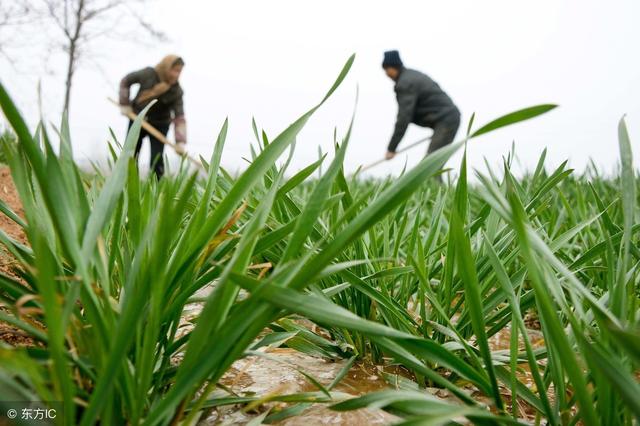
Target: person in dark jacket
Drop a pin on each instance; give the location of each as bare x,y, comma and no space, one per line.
161,83
420,101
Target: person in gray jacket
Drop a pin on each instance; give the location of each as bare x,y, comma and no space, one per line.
420,101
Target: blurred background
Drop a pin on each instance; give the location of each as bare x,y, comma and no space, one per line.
274,60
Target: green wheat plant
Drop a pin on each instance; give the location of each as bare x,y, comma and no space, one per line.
401,271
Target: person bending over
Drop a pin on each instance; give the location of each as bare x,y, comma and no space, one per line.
420,101
161,83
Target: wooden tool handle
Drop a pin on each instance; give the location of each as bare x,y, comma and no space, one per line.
157,134
407,148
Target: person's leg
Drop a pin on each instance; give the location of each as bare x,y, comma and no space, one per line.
143,133
443,134
157,149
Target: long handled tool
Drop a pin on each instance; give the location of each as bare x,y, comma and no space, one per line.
407,148
158,135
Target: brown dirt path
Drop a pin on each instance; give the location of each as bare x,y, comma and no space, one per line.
9,195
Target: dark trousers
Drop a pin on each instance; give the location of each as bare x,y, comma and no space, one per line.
156,161
444,132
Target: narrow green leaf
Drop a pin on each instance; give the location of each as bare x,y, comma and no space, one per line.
512,118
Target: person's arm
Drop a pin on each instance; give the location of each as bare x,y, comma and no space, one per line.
407,99
179,125
126,83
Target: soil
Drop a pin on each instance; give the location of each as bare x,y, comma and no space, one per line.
9,195
279,374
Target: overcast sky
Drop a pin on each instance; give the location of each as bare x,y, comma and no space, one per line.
273,60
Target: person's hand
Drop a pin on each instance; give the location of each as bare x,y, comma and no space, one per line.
180,148
389,155
126,110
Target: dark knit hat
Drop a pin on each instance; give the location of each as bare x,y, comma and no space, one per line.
392,59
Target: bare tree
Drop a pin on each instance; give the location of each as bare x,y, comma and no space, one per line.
80,23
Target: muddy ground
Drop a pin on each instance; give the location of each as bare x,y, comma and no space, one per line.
9,196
